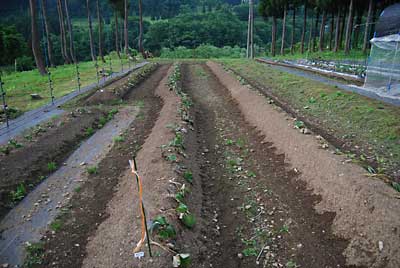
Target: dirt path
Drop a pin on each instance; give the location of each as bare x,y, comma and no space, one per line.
364,209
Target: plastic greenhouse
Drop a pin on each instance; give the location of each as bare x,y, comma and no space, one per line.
383,71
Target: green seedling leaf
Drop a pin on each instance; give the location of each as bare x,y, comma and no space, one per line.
160,220
182,208
180,196
396,186
249,252
188,176
189,220
371,170
172,158
299,124
229,142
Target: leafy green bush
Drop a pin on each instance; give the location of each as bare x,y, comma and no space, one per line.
203,52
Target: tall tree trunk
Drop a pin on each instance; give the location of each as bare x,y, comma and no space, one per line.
63,38
248,33
252,31
310,36
331,27
35,40
71,34
126,26
322,32
314,43
357,29
61,31
337,31
273,42
283,31
303,31
250,46
342,28
99,21
141,49
293,30
48,40
368,22
349,28
116,34
92,54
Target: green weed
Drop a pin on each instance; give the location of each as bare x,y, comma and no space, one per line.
119,139
188,176
92,170
34,255
89,131
51,166
19,193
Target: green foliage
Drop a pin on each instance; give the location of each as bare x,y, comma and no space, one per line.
162,228
188,176
34,254
14,144
172,157
219,28
189,220
89,131
56,225
396,186
182,208
248,252
51,166
119,139
203,52
19,193
92,170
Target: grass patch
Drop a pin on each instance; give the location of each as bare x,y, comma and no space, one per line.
20,85
92,170
19,193
370,124
34,255
89,131
51,166
56,225
119,139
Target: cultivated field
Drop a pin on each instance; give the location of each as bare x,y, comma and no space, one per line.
241,166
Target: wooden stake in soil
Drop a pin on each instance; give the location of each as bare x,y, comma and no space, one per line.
144,219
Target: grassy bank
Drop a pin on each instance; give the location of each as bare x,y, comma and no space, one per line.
20,85
368,126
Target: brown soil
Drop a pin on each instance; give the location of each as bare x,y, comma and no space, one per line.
365,208
315,125
219,119
67,247
119,89
263,194
115,238
55,141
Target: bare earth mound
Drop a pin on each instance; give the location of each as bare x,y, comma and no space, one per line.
116,237
366,209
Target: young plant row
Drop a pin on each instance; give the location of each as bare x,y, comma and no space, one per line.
22,190
173,152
